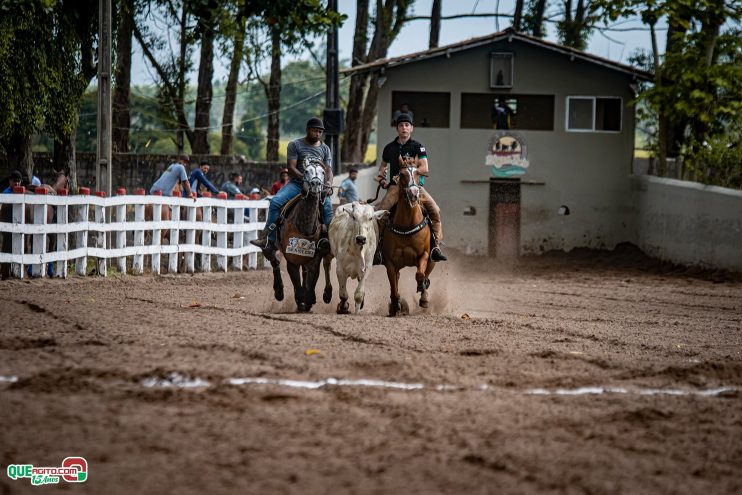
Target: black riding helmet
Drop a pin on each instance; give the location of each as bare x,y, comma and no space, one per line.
403,117
315,123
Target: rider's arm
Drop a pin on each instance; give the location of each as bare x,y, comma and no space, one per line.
293,171
381,177
422,166
206,182
292,156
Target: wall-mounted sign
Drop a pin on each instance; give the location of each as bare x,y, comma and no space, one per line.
506,154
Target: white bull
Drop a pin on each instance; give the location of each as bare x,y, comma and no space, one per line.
353,234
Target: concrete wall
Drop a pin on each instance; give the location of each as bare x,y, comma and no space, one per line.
588,172
688,223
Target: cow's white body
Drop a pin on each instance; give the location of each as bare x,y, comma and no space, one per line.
352,223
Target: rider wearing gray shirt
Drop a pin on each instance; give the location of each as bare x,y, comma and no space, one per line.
302,152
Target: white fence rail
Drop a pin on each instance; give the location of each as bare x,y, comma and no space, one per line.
115,230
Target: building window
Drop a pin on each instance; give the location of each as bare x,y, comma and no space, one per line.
501,70
594,114
428,109
507,111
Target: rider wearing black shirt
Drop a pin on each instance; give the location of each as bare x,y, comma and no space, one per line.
406,147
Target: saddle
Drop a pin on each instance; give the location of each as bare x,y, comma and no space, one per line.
298,247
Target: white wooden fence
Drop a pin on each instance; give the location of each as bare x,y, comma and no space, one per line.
85,225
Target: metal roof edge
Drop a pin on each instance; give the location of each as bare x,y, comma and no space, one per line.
491,38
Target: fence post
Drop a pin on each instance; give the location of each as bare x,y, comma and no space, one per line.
121,234
39,240
252,258
206,235
156,232
19,244
137,263
62,239
81,237
221,237
190,237
100,243
237,239
172,259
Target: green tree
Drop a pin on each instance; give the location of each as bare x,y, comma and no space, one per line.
698,79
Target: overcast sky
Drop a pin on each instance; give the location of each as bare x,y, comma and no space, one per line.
414,35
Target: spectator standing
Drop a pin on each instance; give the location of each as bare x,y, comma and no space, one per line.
501,115
198,179
348,191
403,108
174,175
282,181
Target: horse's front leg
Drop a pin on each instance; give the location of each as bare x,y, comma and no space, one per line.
422,267
311,276
277,281
294,273
327,294
393,276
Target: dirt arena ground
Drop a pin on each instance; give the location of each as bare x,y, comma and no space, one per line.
588,372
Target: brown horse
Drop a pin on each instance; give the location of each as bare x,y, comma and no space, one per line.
298,238
406,239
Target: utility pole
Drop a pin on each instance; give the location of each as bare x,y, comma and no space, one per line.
333,115
103,161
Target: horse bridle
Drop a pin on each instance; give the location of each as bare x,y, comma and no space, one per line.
313,184
412,189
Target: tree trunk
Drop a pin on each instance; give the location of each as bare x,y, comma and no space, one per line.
661,112
518,15
369,114
204,94
181,84
20,155
533,21
122,79
351,148
64,158
435,23
273,93
231,90
390,16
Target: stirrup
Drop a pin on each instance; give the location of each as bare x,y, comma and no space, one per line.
437,255
262,243
323,246
378,258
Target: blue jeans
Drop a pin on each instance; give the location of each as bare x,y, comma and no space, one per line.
286,194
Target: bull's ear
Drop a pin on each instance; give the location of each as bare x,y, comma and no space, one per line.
381,214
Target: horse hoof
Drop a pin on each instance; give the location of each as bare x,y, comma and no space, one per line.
394,308
363,301
301,308
424,304
343,308
327,295
279,294
404,308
